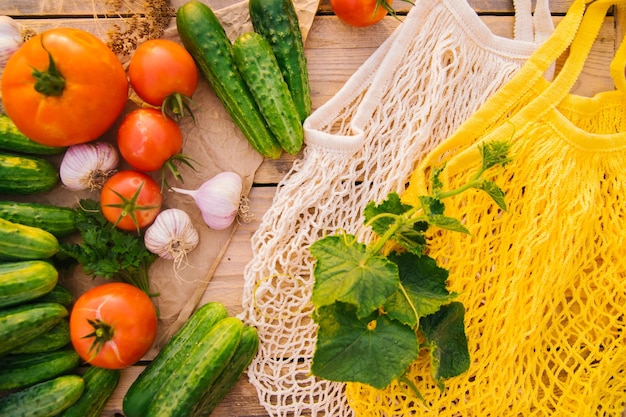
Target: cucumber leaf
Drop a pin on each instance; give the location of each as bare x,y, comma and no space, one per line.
424,282
445,336
373,350
382,216
346,272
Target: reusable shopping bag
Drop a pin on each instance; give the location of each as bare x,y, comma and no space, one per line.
433,72
544,281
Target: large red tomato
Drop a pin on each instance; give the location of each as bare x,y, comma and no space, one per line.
113,325
64,87
131,200
162,72
360,12
147,139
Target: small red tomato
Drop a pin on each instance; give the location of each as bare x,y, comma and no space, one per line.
147,139
113,325
162,72
130,200
360,12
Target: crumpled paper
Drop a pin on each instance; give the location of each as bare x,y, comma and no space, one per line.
215,144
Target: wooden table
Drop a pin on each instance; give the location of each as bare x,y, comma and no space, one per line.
334,51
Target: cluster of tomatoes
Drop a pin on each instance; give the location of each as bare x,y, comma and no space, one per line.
65,87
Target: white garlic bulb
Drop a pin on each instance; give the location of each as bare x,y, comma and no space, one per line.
88,165
10,39
172,235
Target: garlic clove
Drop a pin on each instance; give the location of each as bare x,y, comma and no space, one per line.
172,235
218,199
88,165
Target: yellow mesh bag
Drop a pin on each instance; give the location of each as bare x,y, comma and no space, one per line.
544,283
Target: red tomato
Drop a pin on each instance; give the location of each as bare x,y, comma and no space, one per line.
147,139
131,200
89,91
360,12
113,325
160,70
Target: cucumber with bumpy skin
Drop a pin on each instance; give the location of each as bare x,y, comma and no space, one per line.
23,281
26,175
278,22
259,69
19,371
204,37
99,386
46,399
53,339
22,323
246,351
59,294
181,391
19,242
170,358
60,221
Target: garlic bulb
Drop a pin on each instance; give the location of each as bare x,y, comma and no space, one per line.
172,235
10,39
88,165
218,199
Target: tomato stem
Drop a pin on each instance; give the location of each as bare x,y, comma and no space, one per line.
102,333
49,82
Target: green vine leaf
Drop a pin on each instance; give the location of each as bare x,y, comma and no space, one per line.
495,192
346,272
424,283
445,336
373,350
410,235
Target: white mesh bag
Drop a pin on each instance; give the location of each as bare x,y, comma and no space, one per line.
429,76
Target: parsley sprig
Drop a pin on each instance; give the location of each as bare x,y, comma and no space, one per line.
377,305
108,252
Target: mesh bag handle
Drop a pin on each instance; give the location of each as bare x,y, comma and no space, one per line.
577,32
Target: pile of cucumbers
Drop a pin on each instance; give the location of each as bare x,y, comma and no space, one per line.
40,372
261,78
39,368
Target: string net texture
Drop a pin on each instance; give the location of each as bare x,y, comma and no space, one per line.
432,73
544,283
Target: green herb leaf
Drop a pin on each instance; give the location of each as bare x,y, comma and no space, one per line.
108,252
448,223
494,192
346,272
445,336
372,350
432,206
424,282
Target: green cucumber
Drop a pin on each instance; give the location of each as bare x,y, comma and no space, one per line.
22,323
258,67
19,242
25,280
26,175
204,37
278,22
59,294
170,358
46,399
228,378
55,338
12,139
182,390
60,221
22,370
100,383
